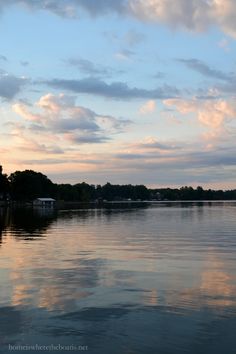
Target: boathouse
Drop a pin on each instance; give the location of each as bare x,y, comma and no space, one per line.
44,202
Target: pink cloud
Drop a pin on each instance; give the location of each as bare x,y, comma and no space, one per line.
148,107
211,113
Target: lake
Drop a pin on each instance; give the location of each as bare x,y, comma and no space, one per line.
136,280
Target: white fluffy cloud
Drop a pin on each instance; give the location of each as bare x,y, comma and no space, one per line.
193,15
213,114
55,103
190,14
224,14
60,116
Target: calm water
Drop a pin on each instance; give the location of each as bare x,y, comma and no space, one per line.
160,279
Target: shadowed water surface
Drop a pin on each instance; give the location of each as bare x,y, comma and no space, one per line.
159,279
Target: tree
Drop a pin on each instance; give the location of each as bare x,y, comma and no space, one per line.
65,192
28,185
84,192
4,185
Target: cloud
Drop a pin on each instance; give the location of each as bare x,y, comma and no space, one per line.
129,156
126,43
58,116
182,105
168,163
149,148
70,8
212,93
148,107
3,58
224,12
224,44
24,63
195,158
152,143
191,15
132,38
124,54
96,8
88,67
205,70
116,90
85,138
213,114
49,161
53,103
10,85
91,69
149,161
228,87
58,7
81,120
29,144
159,75
23,111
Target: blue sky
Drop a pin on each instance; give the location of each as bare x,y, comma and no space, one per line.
127,91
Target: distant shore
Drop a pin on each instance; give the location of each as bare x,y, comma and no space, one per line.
108,204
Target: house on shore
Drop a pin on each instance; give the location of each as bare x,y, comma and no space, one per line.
44,202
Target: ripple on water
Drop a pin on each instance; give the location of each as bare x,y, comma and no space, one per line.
154,280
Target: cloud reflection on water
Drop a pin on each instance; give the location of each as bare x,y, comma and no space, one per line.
93,271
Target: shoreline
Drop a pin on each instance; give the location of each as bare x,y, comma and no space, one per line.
59,205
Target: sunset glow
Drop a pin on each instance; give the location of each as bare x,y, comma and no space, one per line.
127,91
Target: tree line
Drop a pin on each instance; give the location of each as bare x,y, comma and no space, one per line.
28,185
190,193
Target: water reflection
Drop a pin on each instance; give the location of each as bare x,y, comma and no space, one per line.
152,280
27,223
4,221
31,222
10,324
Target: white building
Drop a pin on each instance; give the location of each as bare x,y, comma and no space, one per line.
44,202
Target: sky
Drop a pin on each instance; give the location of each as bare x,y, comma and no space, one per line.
119,91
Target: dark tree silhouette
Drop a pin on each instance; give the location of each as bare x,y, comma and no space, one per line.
28,185
4,185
